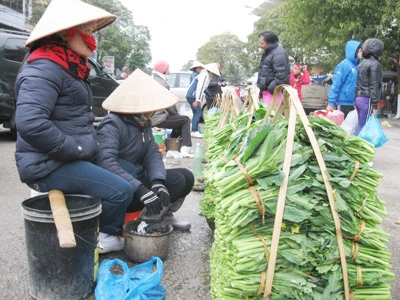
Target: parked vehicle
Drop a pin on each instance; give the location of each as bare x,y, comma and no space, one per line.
12,53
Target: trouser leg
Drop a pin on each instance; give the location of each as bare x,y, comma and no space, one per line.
82,177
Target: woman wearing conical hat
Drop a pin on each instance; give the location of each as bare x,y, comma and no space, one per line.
196,94
128,148
56,144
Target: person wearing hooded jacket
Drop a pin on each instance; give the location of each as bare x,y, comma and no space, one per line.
369,81
343,90
56,139
128,149
274,68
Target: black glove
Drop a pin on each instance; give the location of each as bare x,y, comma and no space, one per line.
152,202
161,191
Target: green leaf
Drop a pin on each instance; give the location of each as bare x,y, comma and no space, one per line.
295,215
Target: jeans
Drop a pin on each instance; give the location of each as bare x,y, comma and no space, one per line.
196,114
83,177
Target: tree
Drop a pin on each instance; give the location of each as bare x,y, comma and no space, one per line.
187,66
129,44
316,31
270,19
226,49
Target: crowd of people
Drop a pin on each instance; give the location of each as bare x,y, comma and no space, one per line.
58,147
357,80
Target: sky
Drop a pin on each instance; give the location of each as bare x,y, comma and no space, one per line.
178,28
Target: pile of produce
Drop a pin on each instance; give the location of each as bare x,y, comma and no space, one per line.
243,178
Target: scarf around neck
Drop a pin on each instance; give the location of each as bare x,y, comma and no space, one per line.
57,52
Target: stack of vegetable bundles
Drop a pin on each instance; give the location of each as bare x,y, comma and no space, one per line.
243,177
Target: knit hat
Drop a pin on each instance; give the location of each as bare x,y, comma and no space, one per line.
61,15
196,64
139,93
161,66
213,68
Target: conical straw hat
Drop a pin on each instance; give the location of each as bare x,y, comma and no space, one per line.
63,14
213,68
139,93
196,64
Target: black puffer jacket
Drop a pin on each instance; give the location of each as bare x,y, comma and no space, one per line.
120,137
370,75
54,120
274,69
213,87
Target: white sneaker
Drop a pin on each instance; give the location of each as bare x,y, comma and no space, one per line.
110,243
185,152
196,134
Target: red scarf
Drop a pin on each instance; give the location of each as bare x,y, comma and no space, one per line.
76,65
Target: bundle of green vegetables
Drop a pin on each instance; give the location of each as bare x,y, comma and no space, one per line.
241,196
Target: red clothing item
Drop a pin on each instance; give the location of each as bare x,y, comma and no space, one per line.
298,81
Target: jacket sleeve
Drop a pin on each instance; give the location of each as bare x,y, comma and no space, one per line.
202,85
305,78
37,97
108,136
280,66
152,162
337,82
375,82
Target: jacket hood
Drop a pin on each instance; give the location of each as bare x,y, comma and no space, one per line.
373,47
351,51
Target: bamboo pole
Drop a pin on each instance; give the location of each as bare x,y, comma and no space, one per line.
291,101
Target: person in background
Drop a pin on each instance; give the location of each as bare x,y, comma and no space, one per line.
169,117
196,69
369,80
274,66
196,94
214,87
56,144
128,149
298,77
343,90
125,73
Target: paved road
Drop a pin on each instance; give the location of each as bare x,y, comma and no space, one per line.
186,268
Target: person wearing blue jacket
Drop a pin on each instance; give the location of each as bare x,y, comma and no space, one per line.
342,93
56,140
196,94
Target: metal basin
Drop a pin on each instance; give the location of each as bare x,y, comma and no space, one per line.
141,248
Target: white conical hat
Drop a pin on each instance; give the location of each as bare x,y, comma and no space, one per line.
139,93
196,64
213,68
64,14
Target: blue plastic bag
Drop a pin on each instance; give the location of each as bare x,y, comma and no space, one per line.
373,133
142,282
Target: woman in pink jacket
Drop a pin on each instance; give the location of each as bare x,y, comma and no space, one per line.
298,78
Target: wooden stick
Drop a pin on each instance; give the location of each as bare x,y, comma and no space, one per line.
281,202
62,219
297,108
